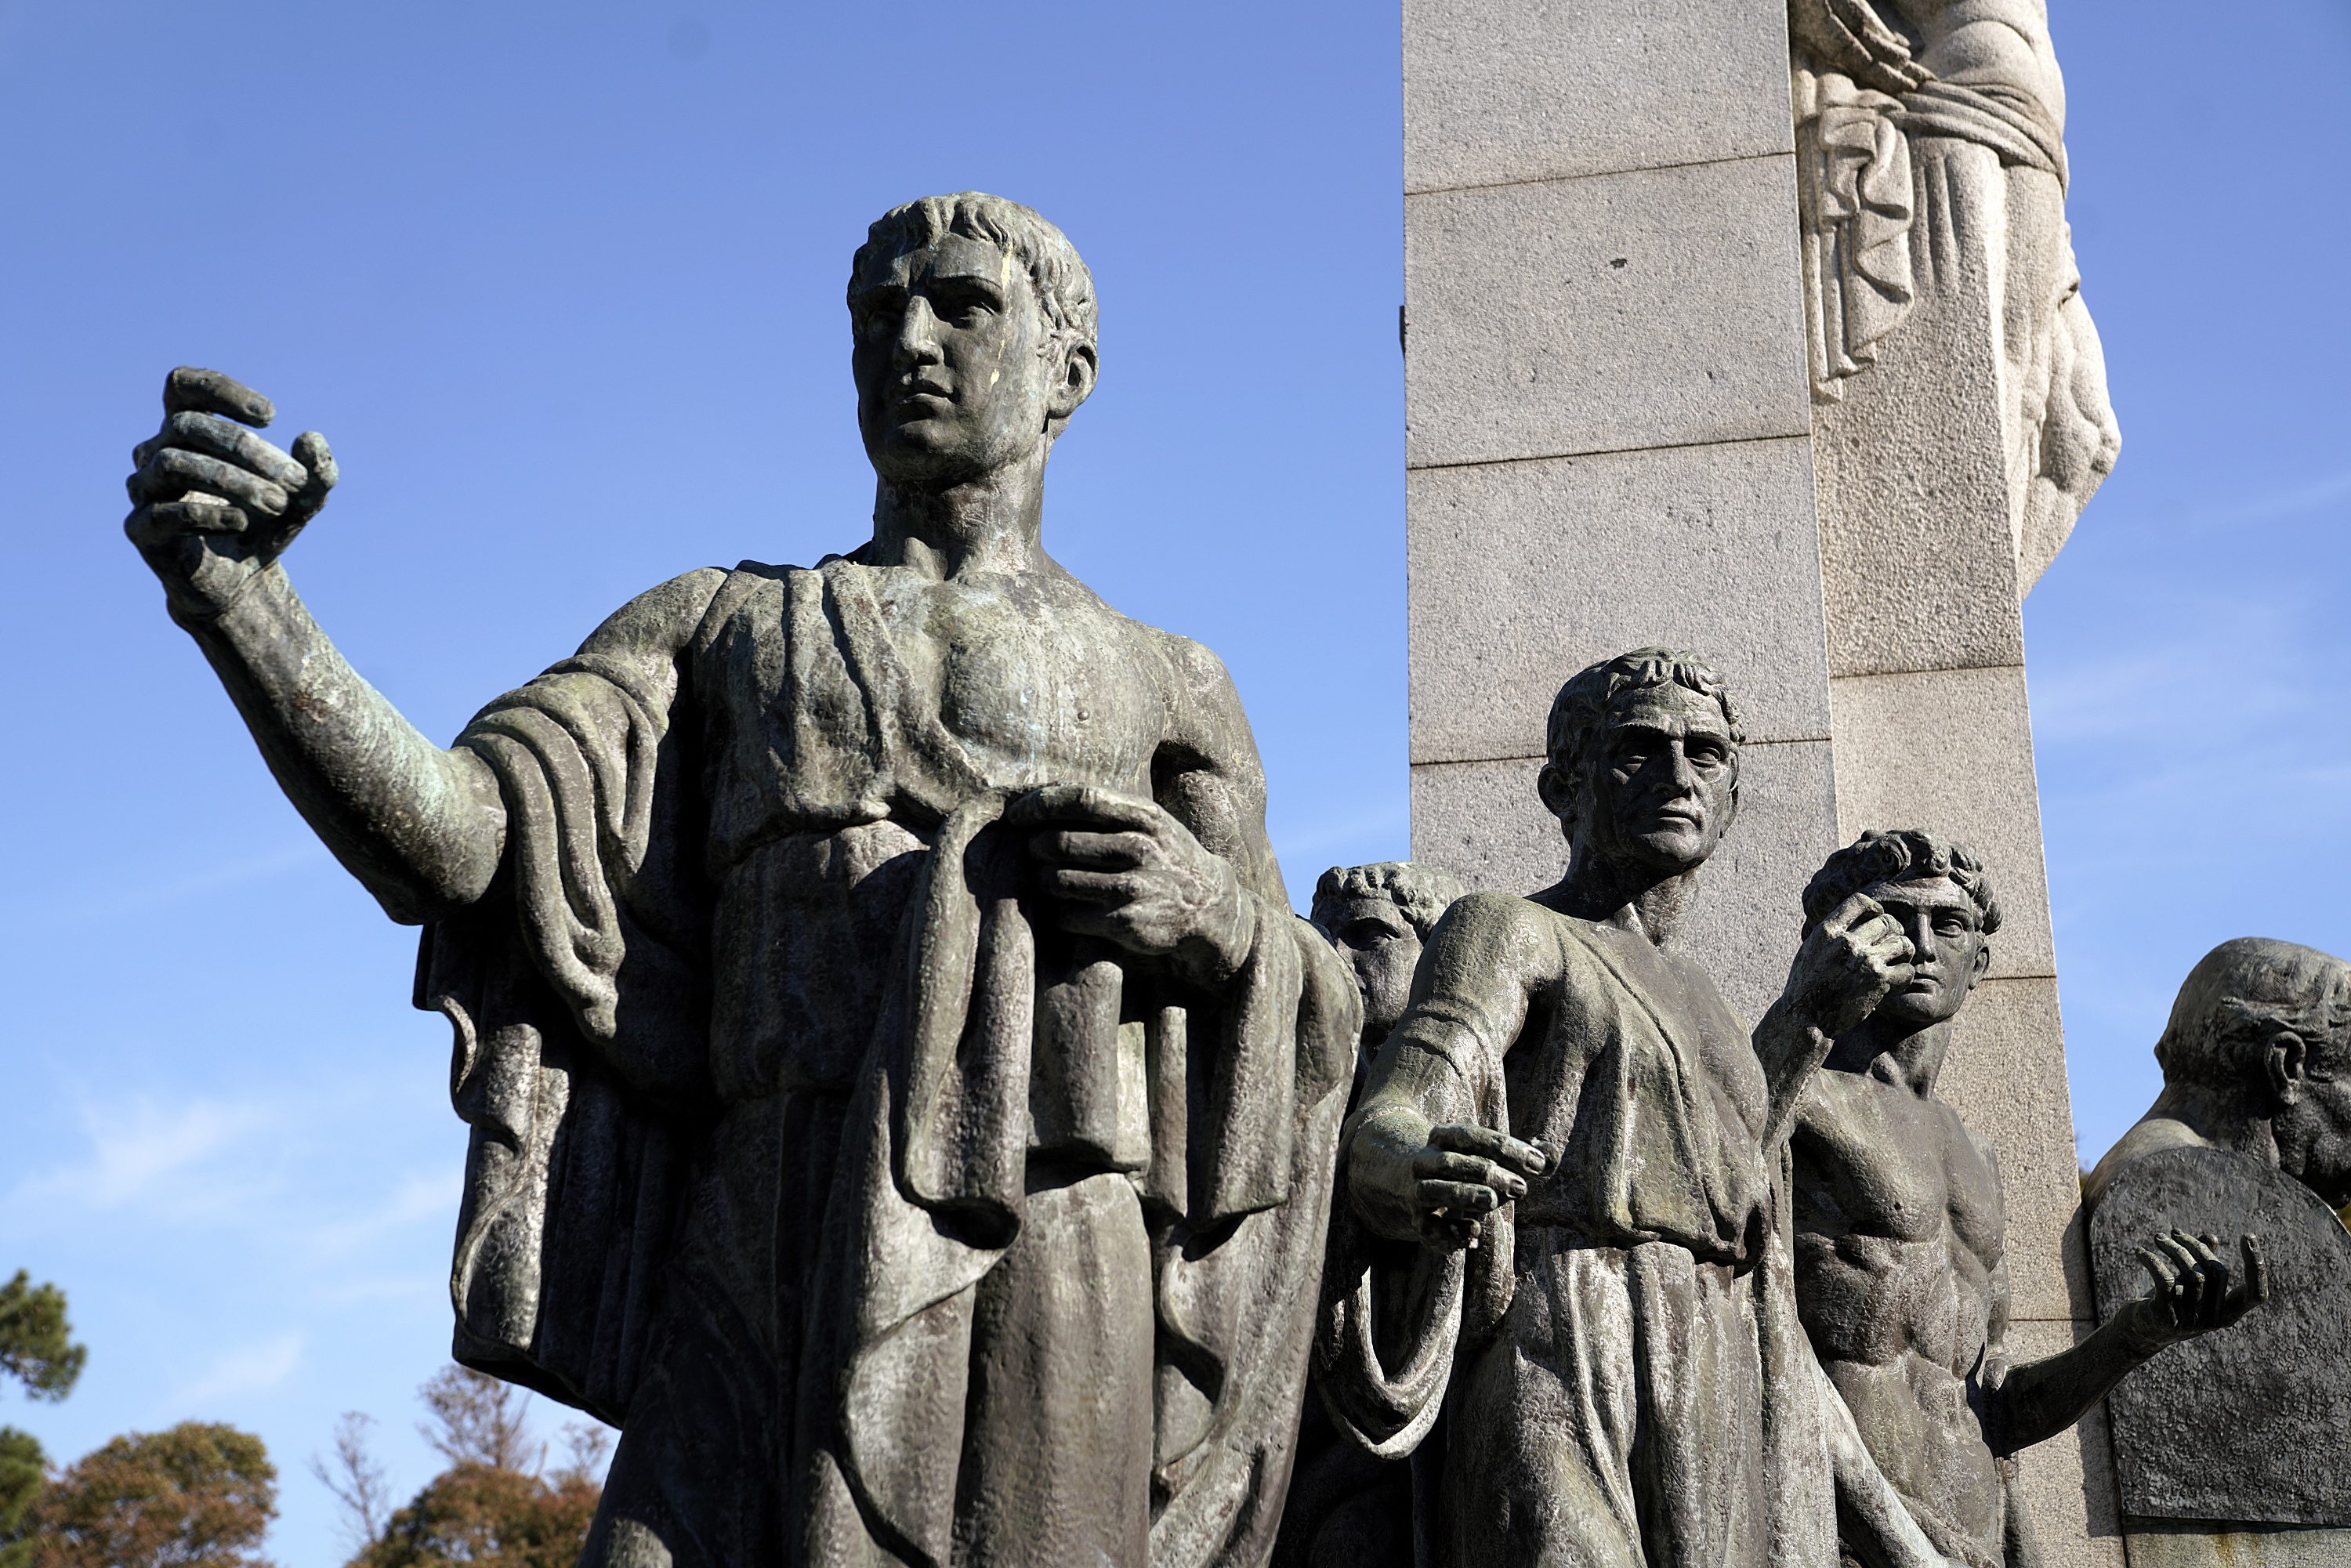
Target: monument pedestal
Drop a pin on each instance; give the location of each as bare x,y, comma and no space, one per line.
1612,441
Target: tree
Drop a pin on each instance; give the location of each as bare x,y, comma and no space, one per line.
496,1505
37,1348
477,1420
197,1496
357,1479
480,1515
36,1341
24,1468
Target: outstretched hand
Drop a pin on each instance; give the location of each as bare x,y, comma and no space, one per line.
212,503
2195,1289
1439,1187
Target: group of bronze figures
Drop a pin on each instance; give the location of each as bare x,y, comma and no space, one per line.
904,1103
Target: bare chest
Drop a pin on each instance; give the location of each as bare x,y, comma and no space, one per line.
1876,1160
1036,681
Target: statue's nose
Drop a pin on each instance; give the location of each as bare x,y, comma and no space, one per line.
918,338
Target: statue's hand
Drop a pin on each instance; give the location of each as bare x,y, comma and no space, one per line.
213,505
1435,1185
2193,1292
1847,965
1848,35
1122,868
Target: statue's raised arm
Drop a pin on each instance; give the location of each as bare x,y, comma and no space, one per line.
215,507
903,1100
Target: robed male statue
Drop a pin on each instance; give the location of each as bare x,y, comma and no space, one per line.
903,1100
1621,1374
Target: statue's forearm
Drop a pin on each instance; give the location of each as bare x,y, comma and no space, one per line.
1791,1049
419,826
2041,1399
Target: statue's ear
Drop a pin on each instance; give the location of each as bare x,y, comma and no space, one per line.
1983,963
1073,379
1558,795
2285,1059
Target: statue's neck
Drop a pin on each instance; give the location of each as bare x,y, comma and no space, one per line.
993,524
1631,897
2220,1117
1912,1059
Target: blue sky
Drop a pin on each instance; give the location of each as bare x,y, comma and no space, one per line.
562,283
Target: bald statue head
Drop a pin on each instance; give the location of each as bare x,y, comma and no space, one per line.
2256,1058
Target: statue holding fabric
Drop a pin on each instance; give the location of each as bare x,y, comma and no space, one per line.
897,1080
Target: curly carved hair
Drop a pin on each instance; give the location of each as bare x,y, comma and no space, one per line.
1065,289
1420,893
1903,855
1584,703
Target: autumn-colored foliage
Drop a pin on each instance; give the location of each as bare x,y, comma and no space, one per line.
477,1514
496,1506
197,1496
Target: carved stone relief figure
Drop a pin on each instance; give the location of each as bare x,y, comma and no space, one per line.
1901,1274
1915,119
1567,1173
2252,1129
902,1101
1348,1508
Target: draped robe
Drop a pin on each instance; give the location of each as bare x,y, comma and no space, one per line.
791,1113
1624,1379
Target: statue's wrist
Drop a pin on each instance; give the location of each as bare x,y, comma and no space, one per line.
196,611
2144,1330
1227,932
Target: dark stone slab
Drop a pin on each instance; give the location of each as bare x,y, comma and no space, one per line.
2253,1423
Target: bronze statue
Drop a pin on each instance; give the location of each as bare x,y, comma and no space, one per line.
902,1099
1568,1163
1901,1276
2252,1131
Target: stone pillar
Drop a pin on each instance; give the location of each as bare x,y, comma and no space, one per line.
1608,431
1932,728
1613,440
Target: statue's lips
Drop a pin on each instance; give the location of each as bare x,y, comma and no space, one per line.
921,401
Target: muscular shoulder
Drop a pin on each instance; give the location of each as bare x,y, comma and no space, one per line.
1204,717
1497,933
659,622
1200,681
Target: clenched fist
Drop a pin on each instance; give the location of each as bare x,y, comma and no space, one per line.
1847,965
212,503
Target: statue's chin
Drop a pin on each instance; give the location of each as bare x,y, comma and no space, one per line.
1671,851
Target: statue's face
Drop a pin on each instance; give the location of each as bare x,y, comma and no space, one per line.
2313,1129
1945,931
1660,785
956,368
1380,944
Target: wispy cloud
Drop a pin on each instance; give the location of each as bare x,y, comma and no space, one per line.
420,1196
117,903
243,1371
140,1151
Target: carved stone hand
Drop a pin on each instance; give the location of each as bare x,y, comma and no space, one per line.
2194,1292
1847,965
1435,1185
1122,868
213,504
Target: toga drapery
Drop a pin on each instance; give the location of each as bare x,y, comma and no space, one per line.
1623,1376
789,1112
